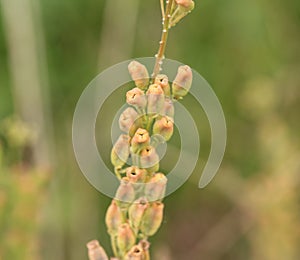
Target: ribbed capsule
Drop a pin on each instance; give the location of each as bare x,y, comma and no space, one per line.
125,193
113,218
136,212
168,108
149,159
163,81
155,189
120,151
182,82
145,245
95,251
152,219
127,119
140,140
125,238
139,74
137,98
156,98
163,126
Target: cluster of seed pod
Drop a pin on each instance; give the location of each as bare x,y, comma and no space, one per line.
136,213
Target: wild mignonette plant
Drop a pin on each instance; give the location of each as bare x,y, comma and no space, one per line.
136,212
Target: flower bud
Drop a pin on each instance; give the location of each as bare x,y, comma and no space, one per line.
127,119
136,212
152,219
149,159
164,127
182,82
139,74
156,99
186,5
95,251
125,238
140,139
125,194
168,108
134,174
163,81
135,253
136,97
113,218
156,188
120,151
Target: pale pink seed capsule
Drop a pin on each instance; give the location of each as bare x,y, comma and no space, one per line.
127,119
95,251
164,126
139,74
163,81
120,151
168,109
182,82
149,159
125,193
136,97
125,238
155,189
113,218
156,99
136,212
152,219
140,139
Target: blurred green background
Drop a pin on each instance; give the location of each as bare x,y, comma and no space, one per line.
249,51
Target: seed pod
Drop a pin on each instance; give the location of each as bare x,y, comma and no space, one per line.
136,97
125,194
156,98
145,245
95,251
135,253
139,74
149,159
163,81
113,218
182,82
163,126
185,5
120,151
136,212
155,189
140,140
127,119
125,238
168,108
152,219
135,174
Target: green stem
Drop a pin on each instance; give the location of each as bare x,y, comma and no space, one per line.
164,38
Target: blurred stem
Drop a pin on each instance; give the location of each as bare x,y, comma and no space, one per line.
164,38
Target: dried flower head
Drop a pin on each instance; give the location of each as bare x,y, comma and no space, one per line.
140,140
149,159
168,108
125,193
127,119
135,253
136,212
155,189
164,127
135,174
188,5
163,81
